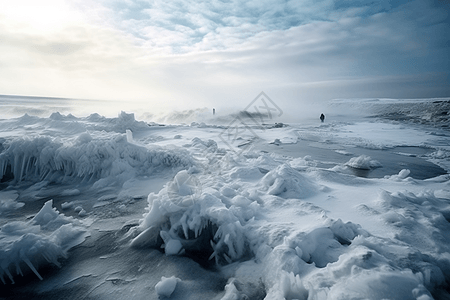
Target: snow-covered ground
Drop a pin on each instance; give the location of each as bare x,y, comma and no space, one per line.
116,208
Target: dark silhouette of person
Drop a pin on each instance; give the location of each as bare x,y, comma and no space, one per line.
322,117
214,111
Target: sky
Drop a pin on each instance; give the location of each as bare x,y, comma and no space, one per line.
185,54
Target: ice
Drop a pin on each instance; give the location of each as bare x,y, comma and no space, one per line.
402,175
175,212
42,240
105,160
166,286
286,182
363,162
231,292
204,223
8,201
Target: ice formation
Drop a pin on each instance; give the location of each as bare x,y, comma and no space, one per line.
203,226
42,240
88,159
166,286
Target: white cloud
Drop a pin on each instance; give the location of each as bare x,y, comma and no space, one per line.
190,54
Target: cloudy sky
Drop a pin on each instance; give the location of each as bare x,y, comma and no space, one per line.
187,53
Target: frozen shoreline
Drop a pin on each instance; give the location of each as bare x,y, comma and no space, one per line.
316,211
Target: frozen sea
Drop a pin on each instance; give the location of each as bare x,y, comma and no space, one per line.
104,204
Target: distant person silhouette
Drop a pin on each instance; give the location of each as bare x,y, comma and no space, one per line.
322,117
214,111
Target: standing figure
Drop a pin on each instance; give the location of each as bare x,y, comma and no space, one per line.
214,111
322,117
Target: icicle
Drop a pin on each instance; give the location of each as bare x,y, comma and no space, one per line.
2,168
214,254
18,269
214,248
51,259
227,258
15,169
198,231
23,168
44,175
36,166
28,262
185,226
26,166
5,269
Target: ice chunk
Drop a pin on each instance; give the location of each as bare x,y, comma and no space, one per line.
8,201
204,224
173,247
231,292
66,205
363,162
129,136
44,239
401,176
166,286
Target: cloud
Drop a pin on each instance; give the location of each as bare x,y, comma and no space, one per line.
194,54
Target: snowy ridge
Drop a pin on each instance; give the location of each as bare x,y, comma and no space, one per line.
44,158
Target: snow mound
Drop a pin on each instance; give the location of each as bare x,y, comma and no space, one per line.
44,158
42,240
363,162
288,183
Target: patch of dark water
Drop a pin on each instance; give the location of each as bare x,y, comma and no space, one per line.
392,160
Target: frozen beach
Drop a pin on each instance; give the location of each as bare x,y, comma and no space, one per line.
235,206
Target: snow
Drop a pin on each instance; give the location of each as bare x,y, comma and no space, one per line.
179,212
